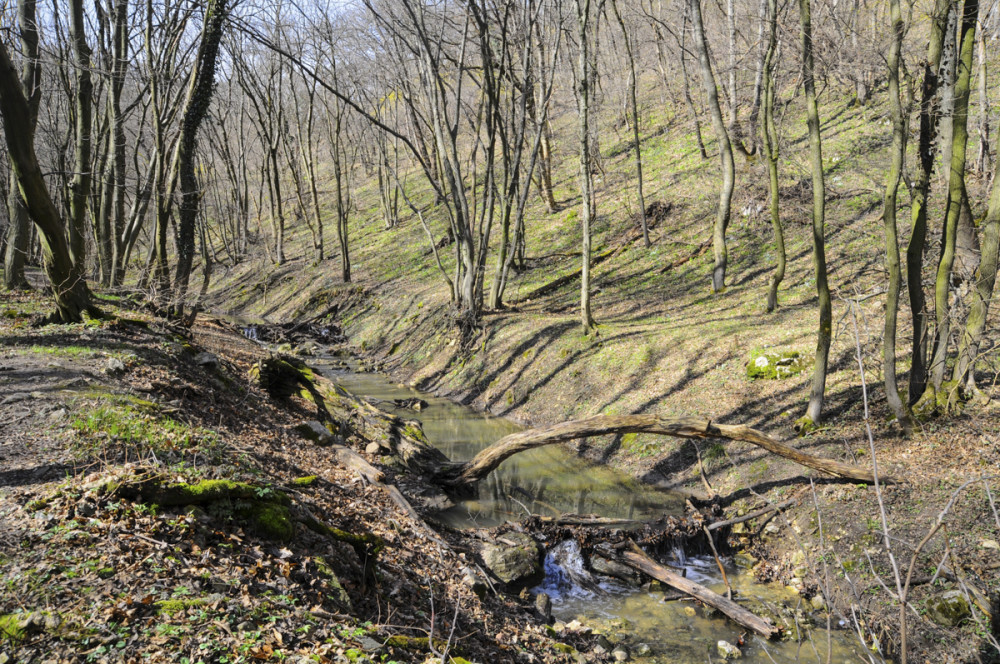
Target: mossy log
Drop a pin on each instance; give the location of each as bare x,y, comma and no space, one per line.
464,474
283,376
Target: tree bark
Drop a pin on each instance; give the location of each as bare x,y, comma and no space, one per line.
80,186
929,109
898,151
816,396
725,151
19,230
771,146
637,559
982,294
487,460
584,81
72,297
196,104
956,194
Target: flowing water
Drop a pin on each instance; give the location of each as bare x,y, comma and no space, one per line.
551,480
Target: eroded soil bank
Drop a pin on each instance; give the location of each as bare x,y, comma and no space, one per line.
156,506
829,540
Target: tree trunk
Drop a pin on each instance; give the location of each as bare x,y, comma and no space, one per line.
956,194
982,294
468,472
19,230
817,394
72,297
929,110
687,83
637,559
983,157
584,80
634,108
889,217
80,186
725,150
771,145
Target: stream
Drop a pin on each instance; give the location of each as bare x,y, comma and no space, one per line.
551,481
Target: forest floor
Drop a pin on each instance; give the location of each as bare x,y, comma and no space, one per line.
665,344
94,416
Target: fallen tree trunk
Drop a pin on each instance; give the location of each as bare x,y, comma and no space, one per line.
637,559
482,464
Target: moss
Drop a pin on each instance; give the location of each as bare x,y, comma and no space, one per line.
272,521
11,627
414,642
564,648
339,593
308,480
172,607
415,432
805,425
775,364
206,491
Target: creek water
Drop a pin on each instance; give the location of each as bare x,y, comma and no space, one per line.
552,480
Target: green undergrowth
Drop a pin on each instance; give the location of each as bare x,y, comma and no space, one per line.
136,427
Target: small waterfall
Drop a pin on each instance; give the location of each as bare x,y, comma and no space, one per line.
566,574
251,332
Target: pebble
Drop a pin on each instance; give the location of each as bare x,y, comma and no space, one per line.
728,651
620,654
114,366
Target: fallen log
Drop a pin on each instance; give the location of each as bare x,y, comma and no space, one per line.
463,474
637,559
351,460
753,515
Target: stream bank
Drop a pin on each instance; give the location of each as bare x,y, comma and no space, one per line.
827,541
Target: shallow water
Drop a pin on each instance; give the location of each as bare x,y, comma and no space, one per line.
551,480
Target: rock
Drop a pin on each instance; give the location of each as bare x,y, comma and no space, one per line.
373,448
315,431
728,651
817,602
642,650
601,565
744,560
114,366
620,654
207,360
989,544
515,559
543,604
775,364
58,415
86,509
473,580
948,609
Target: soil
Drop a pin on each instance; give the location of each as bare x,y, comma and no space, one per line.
93,573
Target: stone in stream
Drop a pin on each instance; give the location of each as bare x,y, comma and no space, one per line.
601,565
515,559
727,651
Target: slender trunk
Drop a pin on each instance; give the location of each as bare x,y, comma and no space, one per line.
634,108
725,151
889,217
771,145
80,185
199,97
983,158
816,396
69,288
982,294
19,230
687,84
956,194
918,206
586,182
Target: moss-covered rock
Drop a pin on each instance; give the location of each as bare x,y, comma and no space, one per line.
949,609
517,561
775,364
172,607
271,520
337,591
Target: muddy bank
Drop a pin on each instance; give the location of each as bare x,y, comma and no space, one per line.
827,541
